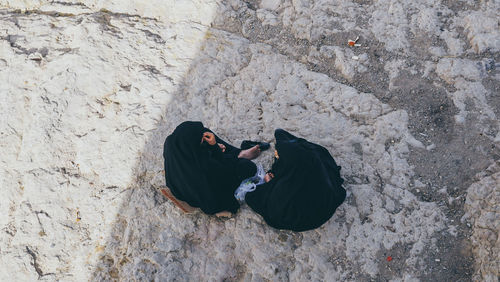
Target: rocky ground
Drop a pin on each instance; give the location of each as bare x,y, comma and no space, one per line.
90,89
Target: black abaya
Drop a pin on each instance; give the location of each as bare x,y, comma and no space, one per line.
306,188
201,174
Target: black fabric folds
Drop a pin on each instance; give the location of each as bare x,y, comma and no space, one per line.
200,174
306,188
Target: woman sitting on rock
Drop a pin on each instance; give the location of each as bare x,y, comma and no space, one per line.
203,170
303,189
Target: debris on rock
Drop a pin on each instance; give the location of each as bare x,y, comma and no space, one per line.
353,43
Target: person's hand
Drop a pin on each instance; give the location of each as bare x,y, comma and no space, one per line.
209,137
222,147
268,177
276,154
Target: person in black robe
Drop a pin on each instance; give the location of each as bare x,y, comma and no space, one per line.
303,188
203,170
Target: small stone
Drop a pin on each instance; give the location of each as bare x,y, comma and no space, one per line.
35,57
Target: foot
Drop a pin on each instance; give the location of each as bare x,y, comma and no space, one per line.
250,154
223,214
185,207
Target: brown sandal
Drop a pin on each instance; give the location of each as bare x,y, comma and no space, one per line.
185,207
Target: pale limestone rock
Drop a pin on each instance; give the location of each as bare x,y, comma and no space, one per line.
82,92
427,20
453,43
482,30
93,91
393,68
270,4
389,24
483,211
466,75
267,17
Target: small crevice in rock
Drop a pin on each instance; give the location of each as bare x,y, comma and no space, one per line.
70,4
156,37
36,264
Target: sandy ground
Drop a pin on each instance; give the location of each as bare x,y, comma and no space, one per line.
90,89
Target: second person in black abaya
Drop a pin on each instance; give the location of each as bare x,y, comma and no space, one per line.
203,170
303,189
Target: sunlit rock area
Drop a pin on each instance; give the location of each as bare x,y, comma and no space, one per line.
90,89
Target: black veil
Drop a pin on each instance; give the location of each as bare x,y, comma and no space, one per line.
306,188
200,174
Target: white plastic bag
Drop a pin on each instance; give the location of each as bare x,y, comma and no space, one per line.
249,184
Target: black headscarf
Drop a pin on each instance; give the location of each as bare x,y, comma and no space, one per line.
306,188
199,174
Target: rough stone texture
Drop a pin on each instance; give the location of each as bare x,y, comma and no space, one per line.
483,211
90,89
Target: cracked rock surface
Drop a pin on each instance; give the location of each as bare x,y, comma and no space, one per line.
90,90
